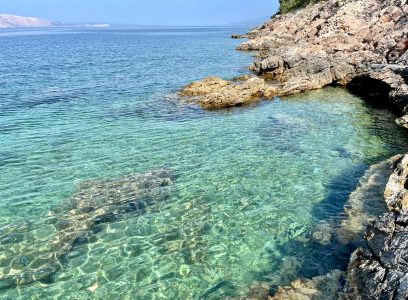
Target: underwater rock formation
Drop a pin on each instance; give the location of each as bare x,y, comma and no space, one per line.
378,268
34,251
347,233
318,288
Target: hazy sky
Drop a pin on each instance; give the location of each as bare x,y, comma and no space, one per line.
144,12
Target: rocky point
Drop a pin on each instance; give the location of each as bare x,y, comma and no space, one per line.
360,44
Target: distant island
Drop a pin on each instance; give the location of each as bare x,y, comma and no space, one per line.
11,21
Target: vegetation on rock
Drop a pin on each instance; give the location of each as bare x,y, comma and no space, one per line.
289,5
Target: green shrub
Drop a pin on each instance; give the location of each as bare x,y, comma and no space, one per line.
289,5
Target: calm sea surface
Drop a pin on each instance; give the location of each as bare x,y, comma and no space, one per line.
248,183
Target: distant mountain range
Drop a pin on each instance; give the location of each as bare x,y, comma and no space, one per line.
10,21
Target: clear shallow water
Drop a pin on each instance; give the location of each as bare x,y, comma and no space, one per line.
81,105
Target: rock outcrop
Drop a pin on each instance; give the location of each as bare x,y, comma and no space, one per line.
403,121
238,36
213,92
360,44
380,270
336,42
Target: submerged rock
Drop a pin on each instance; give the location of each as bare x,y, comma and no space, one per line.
34,251
318,288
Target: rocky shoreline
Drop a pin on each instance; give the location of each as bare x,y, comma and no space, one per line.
361,45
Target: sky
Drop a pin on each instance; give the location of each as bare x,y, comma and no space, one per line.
143,12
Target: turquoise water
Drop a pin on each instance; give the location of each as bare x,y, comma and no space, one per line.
247,184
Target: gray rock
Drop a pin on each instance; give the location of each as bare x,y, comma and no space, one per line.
381,270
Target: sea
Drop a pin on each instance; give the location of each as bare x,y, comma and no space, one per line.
248,184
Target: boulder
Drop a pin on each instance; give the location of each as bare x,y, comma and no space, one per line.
213,93
203,87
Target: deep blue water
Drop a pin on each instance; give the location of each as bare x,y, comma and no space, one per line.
80,105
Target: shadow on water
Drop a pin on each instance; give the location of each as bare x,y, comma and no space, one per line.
339,190
315,252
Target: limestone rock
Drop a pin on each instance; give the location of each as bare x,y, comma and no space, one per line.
272,64
396,192
212,93
381,270
318,288
203,87
361,44
334,42
365,203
